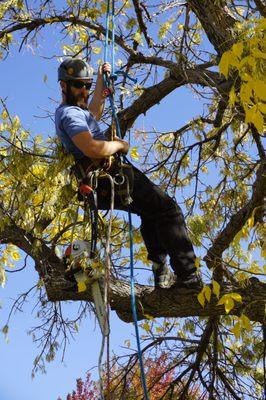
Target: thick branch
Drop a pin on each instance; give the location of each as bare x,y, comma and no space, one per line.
154,302
167,302
154,94
216,22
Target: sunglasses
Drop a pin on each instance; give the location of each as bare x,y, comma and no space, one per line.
80,85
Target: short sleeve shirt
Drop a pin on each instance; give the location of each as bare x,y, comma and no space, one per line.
71,120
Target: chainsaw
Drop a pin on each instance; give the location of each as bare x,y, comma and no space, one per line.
81,267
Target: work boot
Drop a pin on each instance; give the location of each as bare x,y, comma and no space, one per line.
192,281
163,277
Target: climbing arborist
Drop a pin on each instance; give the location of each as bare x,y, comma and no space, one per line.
162,223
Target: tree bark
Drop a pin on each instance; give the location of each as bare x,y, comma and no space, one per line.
169,303
216,22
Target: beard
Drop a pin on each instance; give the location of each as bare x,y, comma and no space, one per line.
79,101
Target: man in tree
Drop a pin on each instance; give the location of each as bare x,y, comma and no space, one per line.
162,222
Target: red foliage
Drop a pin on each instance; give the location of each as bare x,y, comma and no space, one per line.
84,390
159,376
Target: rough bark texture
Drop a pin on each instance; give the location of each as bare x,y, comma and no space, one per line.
216,22
167,302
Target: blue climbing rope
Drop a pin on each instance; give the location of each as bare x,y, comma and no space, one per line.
134,309
118,132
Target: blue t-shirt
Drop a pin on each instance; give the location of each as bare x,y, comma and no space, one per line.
71,120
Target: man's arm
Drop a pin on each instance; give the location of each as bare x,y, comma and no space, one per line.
99,148
96,105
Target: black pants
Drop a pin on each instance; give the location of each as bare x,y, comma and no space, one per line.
162,223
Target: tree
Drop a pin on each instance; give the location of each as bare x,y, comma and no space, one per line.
126,384
167,46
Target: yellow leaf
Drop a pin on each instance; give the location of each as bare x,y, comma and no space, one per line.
232,97
201,298
224,64
4,114
207,293
146,326
246,322
164,29
137,37
216,288
81,287
259,88
259,54
236,297
262,107
131,23
238,236
197,262
229,305
96,50
233,60
261,25
149,317
15,255
245,92
258,122
5,330
236,330
238,49
250,222
222,300
37,199
134,153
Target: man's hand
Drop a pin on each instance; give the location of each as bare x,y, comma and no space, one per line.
125,145
96,105
104,68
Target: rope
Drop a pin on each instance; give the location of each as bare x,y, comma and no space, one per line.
107,279
134,310
106,301
118,132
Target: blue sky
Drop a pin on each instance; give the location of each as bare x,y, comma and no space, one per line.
22,85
